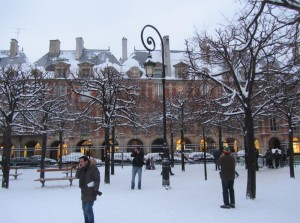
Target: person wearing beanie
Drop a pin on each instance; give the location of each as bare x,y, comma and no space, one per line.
227,175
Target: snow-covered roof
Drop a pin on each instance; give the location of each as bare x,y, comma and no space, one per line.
20,60
100,58
139,57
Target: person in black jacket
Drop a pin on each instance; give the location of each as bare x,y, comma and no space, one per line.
216,155
227,175
89,182
276,156
137,167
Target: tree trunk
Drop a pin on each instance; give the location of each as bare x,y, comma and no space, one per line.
182,149
112,159
290,147
172,149
204,142
107,158
182,141
220,140
251,180
6,156
60,150
44,147
246,148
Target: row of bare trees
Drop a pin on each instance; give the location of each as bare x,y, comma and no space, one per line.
111,102
32,105
29,106
255,61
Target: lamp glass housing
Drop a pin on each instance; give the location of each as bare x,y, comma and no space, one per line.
149,68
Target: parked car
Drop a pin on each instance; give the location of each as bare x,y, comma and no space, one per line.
177,158
47,161
240,153
73,158
198,157
23,161
187,152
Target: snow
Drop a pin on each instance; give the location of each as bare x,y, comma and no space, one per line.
191,198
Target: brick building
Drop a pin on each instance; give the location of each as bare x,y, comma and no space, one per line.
58,63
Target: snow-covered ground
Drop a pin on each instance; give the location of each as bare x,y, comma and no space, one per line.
191,199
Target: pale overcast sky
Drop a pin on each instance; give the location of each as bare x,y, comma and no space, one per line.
103,24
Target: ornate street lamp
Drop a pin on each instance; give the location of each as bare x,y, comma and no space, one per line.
149,68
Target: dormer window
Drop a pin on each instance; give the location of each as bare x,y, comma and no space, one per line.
60,72
180,70
61,69
134,72
85,70
158,70
109,71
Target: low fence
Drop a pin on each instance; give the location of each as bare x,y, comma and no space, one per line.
73,153
97,152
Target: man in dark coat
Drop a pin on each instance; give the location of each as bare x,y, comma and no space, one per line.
276,156
216,155
137,167
89,182
227,174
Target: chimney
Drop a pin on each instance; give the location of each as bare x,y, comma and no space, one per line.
124,49
79,48
14,48
167,56
54,48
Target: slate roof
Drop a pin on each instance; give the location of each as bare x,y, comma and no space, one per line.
19,60
138,58
100,58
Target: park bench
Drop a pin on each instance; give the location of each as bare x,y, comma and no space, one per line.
15,174
66,171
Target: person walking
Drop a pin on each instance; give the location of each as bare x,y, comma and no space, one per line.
137,167
227,174
89,182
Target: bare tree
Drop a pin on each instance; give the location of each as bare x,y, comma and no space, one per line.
19,89
287,15
53,115
110,103
285,98
241,58
206,111
178,111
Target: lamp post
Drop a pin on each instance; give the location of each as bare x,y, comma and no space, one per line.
149,67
